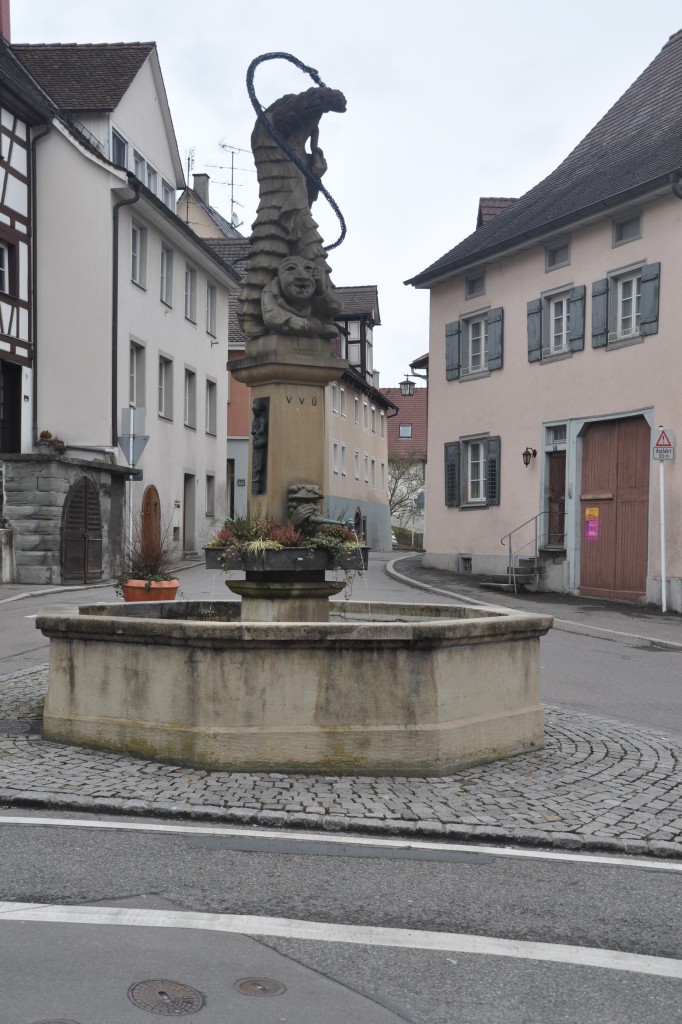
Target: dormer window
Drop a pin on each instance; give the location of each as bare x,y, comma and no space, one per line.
119,149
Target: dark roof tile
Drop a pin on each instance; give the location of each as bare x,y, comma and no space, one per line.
80,77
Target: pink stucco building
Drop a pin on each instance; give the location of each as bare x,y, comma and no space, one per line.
555,334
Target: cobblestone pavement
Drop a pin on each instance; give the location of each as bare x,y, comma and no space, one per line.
597,785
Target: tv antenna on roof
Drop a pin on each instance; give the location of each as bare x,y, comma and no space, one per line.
228,148
189,153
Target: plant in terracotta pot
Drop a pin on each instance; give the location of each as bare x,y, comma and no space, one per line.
147,573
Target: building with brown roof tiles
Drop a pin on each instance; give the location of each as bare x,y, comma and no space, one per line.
128,323
555,363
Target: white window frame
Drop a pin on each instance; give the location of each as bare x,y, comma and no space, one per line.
366,467
373,473
118,137
211,308
382,424
625,309
165,404
476,476
138,254
354,354
136,382
191,293
556,328
335,457
4,268
342,402
343,460
356,464
139,166
357,412
475,345
166,275
152,178
365,414
334,399
190,398
373,419
404,430
211,407
167,194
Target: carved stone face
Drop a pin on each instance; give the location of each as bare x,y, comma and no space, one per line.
297,278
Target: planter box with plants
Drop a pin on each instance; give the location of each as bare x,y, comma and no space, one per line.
258,545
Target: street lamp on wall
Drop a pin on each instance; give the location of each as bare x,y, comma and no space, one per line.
527,454
407,387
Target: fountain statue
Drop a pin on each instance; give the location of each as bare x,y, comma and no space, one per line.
286,680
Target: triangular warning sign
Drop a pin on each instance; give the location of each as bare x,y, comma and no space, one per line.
663,441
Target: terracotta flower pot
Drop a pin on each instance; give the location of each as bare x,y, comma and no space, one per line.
141,590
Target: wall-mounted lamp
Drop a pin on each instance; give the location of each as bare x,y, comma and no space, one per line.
407,387
527,454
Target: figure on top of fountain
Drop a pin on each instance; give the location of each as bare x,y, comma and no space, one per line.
284,226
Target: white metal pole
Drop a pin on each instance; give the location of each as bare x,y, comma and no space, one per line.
661,498
130,485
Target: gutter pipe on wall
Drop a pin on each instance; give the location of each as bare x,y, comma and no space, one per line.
135,185
34,277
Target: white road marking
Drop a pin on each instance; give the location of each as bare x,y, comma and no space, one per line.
652,864
320,931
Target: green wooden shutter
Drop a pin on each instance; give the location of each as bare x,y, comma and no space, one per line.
453,333
648,320
600,313
576,328
493,469
534,321
495,338
452,473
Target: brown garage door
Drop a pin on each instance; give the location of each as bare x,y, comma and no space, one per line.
614,503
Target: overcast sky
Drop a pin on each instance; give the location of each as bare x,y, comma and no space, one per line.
447,101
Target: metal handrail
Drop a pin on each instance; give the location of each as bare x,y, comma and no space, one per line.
507,539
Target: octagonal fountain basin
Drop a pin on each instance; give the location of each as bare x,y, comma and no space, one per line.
379,689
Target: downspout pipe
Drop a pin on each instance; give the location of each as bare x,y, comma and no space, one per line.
135,185
676,184
34,276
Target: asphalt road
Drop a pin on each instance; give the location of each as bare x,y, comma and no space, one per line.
354,930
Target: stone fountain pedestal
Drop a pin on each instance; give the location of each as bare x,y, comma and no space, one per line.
287,376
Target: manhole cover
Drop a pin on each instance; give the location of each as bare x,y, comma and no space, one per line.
167,998
259,987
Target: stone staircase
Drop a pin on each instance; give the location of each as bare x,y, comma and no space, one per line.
517,578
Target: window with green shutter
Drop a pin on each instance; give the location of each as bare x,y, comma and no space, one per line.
472,472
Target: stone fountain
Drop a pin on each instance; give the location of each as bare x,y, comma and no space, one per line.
286,680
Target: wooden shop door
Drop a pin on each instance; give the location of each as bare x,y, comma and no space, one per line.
614,503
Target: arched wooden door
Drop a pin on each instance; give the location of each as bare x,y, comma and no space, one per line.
614,503
82,534
151,519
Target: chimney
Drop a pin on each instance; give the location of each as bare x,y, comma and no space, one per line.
200,180
4,21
